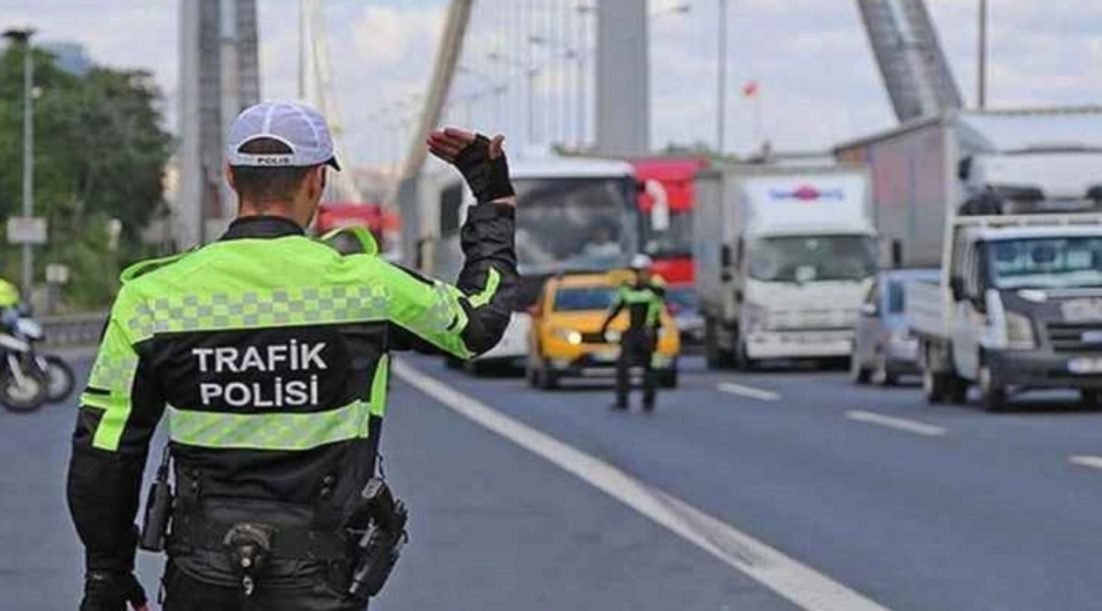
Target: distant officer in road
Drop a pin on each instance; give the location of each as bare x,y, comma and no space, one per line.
644,299
269,351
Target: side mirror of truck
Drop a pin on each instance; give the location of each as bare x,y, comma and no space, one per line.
956,287
964,168
897,254
726,275
725,256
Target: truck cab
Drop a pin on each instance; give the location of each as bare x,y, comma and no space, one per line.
785,256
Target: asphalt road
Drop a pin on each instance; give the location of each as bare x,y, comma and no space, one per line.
913,507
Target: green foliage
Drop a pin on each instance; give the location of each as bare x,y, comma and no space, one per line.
100,153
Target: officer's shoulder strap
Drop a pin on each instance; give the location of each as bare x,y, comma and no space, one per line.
352,240
142,268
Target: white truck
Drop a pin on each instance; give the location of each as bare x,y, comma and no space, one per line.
1019,301
573,214
784,256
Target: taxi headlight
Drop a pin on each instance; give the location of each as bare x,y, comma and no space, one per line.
569,336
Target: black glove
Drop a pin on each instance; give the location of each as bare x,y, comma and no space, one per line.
111,590
488,178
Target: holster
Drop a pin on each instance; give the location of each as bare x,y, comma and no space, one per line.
380,520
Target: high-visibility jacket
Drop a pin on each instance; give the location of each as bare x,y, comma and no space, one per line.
9,294
644,302
267,352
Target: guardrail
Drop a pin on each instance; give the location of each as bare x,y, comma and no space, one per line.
74,330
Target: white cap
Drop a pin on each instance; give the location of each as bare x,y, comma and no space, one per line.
300,126
641,261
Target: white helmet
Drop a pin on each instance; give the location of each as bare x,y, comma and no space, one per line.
641,262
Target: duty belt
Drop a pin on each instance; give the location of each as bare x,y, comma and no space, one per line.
287,542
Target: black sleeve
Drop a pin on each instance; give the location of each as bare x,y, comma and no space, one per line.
118,414
614,311
470,317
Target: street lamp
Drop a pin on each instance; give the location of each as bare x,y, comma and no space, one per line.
22,37
721,80
578,56
531,72
496,89
981,72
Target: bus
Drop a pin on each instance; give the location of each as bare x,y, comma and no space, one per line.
574,214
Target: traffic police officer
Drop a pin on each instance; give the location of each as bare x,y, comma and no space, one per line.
644,299
268,353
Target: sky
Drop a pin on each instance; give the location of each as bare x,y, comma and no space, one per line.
818,81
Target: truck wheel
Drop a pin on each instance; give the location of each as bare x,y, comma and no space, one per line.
743,362
713,354
1090,397
857,373
881,375
958,390
934,386
992,393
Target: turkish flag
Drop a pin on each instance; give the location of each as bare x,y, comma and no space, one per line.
750,89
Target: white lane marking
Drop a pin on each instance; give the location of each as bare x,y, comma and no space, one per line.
800,584
902,424
747,391
1085,460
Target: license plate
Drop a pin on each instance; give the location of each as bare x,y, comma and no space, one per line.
1082,366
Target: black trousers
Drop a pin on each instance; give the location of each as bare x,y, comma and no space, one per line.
636,350
183,592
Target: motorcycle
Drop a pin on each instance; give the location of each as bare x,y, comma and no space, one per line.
24,385
27,370
58,372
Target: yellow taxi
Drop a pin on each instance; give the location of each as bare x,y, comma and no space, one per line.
565,338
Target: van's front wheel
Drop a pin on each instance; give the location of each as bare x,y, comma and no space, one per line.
992,392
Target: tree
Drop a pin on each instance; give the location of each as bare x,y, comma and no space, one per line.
100,153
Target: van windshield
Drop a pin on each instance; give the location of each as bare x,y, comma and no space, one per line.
1046,262
812,258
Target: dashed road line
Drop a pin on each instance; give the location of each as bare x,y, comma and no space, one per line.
747,391
901,424
800,584
1086,460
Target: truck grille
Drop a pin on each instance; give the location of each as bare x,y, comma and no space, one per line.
1075,337
795,320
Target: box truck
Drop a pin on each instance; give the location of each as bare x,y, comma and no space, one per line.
784,256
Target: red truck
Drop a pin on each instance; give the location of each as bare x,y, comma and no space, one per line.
666,201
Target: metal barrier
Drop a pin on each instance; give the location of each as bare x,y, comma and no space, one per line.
75,330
